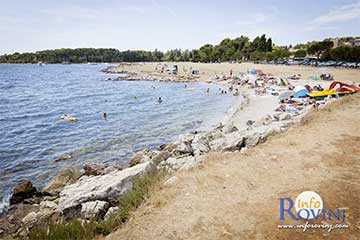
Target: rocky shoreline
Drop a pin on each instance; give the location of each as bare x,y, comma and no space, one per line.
142,76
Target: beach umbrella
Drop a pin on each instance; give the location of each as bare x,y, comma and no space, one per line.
301,93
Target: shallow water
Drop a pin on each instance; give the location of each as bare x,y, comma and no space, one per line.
32,137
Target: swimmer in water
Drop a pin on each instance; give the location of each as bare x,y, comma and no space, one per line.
160,100
105,115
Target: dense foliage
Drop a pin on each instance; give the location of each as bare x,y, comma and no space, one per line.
237,49
82,55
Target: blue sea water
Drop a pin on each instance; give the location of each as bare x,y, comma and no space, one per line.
32,137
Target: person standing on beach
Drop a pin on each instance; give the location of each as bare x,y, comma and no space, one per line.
230,72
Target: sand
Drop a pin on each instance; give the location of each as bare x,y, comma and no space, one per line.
236,195
208,70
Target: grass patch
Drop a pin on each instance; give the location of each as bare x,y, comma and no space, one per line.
81,229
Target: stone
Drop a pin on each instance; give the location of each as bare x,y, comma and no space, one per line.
36,218
111,212
252,140
161,156
22,191
229,128
48,204
182,163
108,187
230,143
184,148
95,209
141,157
94,169
30,219
282,116
267,120
201,144
65,177
168,147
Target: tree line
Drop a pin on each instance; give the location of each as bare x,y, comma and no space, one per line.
237,49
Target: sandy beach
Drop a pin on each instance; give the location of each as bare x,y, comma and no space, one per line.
207,71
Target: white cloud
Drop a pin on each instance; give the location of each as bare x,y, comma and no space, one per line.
343,13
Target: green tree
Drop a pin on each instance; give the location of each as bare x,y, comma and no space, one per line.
319,48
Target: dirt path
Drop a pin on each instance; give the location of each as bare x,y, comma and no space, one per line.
236,196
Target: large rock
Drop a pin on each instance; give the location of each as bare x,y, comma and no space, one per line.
94,169
229,128
111,212
229,143
22,191
106,187
95,209
168,147
65,177
37,218
184,148
201,145
161,156
182,163
141,157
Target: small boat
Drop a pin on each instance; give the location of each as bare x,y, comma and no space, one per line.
65,63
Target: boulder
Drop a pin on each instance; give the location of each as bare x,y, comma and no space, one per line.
282,116
111,212
94,169
230,143
184,148
229,128
201,145
65,177
168,147
108,187
48,204
161,156
267,120
95,209
37,218
22,191
141,157
182,163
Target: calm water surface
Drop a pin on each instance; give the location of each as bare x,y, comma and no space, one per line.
32,137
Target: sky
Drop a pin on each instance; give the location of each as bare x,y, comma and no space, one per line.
27,26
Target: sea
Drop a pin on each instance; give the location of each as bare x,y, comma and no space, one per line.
35,143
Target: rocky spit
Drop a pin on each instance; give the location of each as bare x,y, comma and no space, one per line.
94,191
141,76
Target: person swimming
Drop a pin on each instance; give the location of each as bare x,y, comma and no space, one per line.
105,115
160,100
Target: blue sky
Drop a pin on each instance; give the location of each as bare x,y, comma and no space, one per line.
139,24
